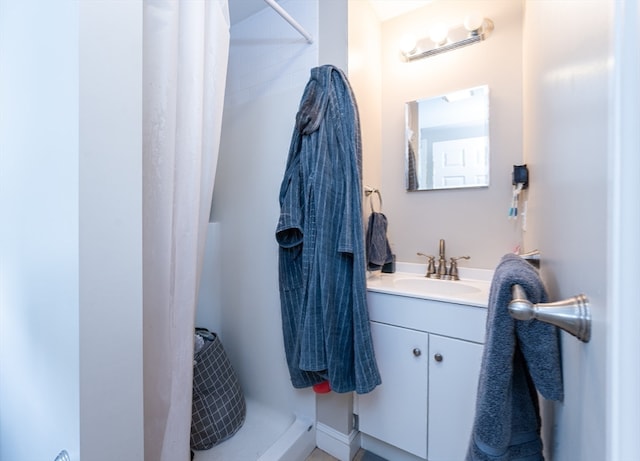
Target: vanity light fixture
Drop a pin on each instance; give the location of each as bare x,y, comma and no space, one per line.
474,29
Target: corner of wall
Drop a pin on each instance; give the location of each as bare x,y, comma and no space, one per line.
364,55
333,31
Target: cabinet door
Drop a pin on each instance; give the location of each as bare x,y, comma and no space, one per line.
396,411
454,367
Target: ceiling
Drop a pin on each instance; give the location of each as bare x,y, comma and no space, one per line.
242,9
385,9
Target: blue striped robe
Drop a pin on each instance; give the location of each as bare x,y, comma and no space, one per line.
325,319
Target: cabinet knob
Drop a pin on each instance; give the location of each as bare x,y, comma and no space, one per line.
417,352
438,357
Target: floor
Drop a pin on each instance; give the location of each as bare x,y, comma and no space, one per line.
319,455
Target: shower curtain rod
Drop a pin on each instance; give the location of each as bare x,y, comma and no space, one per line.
290,20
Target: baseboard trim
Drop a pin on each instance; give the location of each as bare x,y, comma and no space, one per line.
339,445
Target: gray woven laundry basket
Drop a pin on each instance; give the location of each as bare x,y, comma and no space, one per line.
219,407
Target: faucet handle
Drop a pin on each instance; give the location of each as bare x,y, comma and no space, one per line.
431,266
453,268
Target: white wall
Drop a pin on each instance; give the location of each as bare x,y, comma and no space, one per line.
70,191
110,211
365,76
568,74
472,221
39,301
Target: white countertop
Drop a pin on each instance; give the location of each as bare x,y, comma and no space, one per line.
409,280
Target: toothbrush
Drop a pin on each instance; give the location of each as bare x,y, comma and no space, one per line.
513,211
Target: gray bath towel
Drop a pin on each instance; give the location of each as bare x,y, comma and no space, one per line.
519,358
377,245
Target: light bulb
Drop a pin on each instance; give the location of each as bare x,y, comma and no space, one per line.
407,44
473,22
438,34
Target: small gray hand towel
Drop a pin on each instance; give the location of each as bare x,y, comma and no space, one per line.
519,358
377,246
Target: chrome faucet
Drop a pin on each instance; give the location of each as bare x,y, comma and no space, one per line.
453,267
431,267
442,272
442,262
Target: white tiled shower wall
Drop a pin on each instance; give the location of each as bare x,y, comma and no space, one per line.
268,56
269,65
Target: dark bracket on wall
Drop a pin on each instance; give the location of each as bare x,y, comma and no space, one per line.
520,176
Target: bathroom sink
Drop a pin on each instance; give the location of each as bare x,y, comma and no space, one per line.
466,291
446,287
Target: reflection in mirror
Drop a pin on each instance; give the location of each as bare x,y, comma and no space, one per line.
448,140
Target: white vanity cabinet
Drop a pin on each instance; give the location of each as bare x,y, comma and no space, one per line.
429,355
454,366
396,411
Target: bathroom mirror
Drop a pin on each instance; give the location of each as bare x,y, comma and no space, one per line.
447,140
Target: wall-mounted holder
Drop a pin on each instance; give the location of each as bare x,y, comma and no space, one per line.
520,176
441,39
572,315
368,192
532,257
520,181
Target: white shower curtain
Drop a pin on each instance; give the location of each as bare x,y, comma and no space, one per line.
186,46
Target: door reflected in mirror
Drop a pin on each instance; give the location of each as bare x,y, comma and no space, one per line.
447,140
